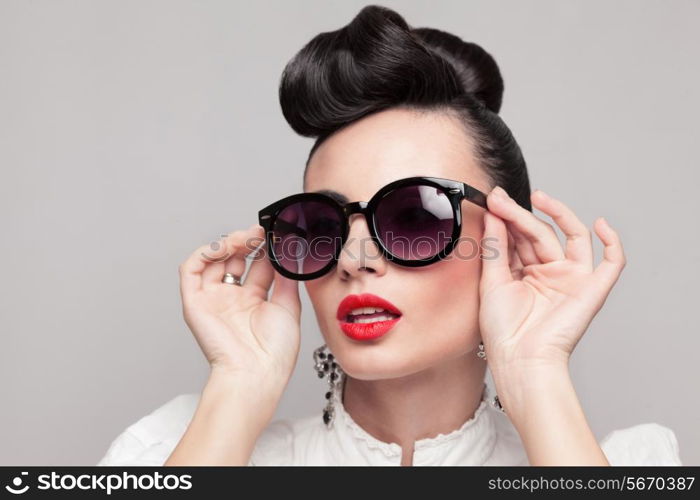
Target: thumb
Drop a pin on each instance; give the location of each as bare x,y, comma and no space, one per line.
285,293
495,268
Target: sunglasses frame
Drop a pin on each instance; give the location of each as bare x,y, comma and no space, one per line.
456,191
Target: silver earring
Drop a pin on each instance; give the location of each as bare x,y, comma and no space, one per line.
326,365
495,402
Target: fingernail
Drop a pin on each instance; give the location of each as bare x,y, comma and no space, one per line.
500,192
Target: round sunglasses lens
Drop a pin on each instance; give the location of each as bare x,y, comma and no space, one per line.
306,235
415,222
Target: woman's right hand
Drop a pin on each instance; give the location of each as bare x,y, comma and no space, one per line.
239,330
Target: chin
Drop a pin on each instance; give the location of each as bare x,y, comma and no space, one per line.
376,361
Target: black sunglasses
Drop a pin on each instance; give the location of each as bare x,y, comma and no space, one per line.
414,222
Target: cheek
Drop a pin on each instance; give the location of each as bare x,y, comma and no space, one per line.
442,321
444,303
454,288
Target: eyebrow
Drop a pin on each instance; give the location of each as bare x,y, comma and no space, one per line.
339,197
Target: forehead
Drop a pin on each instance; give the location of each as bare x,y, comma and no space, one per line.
389,145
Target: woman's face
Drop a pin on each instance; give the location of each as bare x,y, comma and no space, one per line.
439,302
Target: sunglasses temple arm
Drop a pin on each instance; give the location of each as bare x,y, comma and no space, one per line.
475,196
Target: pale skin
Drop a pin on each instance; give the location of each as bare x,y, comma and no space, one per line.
530,306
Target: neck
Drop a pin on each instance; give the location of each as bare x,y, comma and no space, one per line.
417,406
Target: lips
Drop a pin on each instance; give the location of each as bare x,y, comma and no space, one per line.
364,300
365,331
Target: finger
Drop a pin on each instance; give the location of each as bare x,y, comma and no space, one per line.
544,240
516,265
285,292
579,245
192,268
614,260
523,250
235,249
261,272
495,268
233,263
523,245
249,243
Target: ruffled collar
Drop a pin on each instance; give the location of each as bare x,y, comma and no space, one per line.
474,440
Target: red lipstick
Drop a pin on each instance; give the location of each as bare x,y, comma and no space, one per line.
364,330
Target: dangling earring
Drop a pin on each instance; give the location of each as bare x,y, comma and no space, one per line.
325,364
481,353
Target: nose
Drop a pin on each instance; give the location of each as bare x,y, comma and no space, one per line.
360,254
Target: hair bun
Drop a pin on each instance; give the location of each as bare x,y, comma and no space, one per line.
477,69
378,61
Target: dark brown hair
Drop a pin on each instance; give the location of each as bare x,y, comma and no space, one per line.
377,62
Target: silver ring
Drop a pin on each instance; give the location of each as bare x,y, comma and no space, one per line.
231,279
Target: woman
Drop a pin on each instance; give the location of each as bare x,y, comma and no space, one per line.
406,118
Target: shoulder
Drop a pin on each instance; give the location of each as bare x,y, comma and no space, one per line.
508,448
151,439
290,441
642,444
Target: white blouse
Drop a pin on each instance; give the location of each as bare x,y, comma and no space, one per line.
488,438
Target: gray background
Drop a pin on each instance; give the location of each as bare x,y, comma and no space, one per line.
132,132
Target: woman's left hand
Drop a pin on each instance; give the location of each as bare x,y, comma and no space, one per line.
537,298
